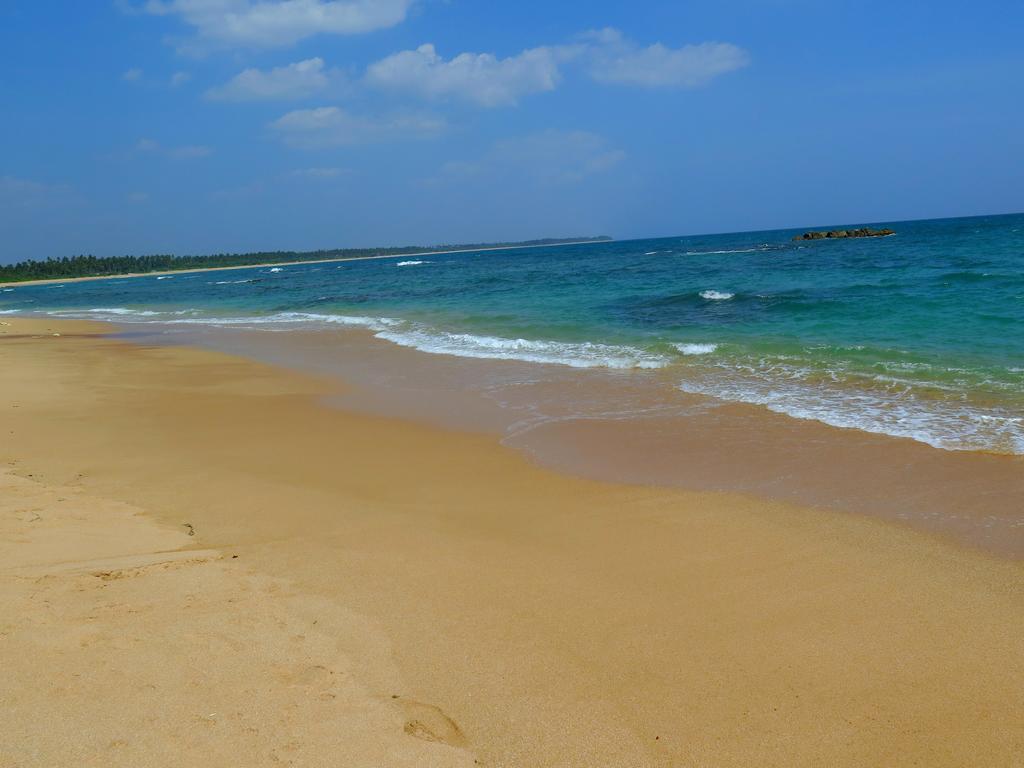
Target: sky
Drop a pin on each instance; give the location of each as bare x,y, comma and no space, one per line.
199,126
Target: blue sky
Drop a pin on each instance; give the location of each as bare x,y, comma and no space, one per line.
194,126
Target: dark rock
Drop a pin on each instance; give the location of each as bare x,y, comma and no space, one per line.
839,234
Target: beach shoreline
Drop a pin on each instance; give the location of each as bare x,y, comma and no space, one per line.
270,265
853,335
638,428
519,616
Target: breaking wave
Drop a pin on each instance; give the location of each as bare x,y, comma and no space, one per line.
716,295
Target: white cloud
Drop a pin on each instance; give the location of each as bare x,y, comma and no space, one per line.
11,185
25,192
294,81
132,75
238,193
274,23
188,151
549,157
180,78
331,127
486,80
614,59
183,152
319,173
603,36
481,78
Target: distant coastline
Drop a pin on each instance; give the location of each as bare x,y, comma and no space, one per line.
9,274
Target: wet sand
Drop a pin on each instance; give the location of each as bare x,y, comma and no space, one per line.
521,617
635,426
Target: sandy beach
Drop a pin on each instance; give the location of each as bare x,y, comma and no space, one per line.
204,563
282,264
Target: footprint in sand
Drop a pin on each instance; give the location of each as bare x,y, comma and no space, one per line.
427,722
308,676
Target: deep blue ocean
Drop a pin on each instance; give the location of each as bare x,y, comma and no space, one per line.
919,334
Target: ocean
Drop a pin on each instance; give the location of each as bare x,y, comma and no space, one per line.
918,335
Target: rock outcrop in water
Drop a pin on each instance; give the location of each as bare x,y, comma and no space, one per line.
841,233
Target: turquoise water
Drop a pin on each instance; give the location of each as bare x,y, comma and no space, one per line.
919,335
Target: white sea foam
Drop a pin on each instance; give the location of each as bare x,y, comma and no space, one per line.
374,323
651,253
123,311
165,277
898,411
696,349
716,295
407,334
276,269
576,355
8,290
281,320
735,250
234,282
426,339
412,263
247,320
120,314
104,311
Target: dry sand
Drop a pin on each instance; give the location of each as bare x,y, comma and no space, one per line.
520,617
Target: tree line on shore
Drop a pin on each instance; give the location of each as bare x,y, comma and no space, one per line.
101,266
